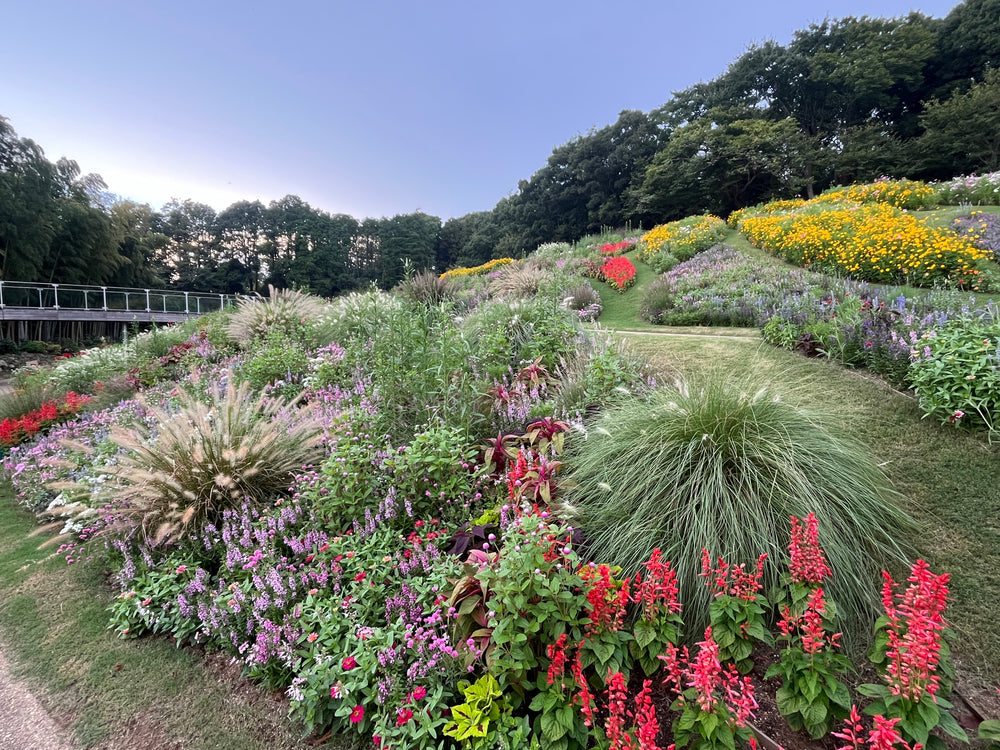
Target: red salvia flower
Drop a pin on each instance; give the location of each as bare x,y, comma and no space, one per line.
557,654
808,562
914,630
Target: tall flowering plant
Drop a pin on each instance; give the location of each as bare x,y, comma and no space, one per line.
811,696
659,623
912,655
737,610
630,729
715,701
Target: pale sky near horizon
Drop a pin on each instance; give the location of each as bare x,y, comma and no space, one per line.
364,108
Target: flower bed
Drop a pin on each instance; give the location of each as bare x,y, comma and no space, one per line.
17,430
618,272
975,190
668,244
490,265
873,242
420,584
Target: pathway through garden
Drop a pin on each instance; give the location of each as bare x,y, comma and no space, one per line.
24,724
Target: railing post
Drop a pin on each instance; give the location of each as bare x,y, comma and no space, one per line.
147,301
55,296
127,308
222,302
164,303
104,298
85,305
198,300
187,308
1,296
40,304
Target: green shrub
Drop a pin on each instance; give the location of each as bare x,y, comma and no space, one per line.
956,374
200,459
722,467
276,364
508,335
657,301
101,365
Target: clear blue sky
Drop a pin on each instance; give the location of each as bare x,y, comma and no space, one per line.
364,107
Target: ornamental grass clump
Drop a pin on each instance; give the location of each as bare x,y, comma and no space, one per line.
722,466
287,309
203,456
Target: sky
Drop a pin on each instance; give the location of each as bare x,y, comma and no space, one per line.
370,107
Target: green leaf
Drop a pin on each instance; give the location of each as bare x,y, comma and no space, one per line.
709,722
874,691
950,726
644,633
788,701
814,713
552,729
990,730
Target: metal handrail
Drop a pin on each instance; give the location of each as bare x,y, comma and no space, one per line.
22,294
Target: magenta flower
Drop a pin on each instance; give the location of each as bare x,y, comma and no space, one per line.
348,663
357,714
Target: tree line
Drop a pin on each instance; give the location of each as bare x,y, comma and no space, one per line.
846,100
59,226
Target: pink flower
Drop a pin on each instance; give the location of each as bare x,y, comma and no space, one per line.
311,637
336,691
357,714
418,693
403,716
181,569
348,663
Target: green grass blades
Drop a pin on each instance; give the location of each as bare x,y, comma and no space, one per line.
721,465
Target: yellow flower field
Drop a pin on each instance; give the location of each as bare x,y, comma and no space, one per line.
872,242
477,270
682,238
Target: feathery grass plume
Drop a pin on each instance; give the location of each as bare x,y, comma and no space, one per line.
427,288
288,309
203,458
520,280
722,466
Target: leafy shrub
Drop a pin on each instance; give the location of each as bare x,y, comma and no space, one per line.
92,367
505,335
600,370
201,458
722,467
276,365
956,373
287,309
